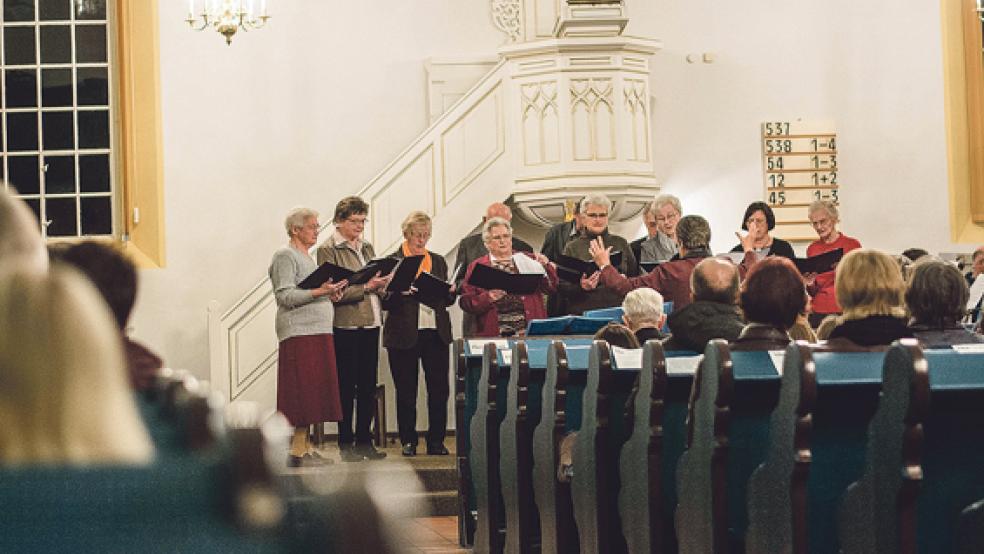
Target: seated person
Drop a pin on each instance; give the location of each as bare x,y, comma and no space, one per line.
772,298
65,398
870,291
115,277
497,313
589,294
915,254
660,217
713,314
642,312
758,221
936,298
671,279
618,335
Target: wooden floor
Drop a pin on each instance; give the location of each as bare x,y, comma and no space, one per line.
433,535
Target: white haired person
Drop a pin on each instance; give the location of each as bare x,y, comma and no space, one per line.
643,313
21,244
64,394
501,314
307,380
824,218
660,217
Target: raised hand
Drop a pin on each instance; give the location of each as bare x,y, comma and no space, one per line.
600,254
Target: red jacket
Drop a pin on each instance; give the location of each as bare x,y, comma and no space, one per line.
824,295
479,302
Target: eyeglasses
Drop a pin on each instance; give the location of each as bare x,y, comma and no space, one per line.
357,220
421,236
500,237
313,226
820,223
596,215
666,219
755,220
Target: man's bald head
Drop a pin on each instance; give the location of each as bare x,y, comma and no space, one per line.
498,210
715,280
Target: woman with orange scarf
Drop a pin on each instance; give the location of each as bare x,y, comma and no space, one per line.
414,331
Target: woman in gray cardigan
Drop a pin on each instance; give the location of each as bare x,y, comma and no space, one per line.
307,381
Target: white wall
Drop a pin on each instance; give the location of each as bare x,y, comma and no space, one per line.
276,120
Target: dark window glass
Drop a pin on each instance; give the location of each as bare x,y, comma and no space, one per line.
97,216
56,88
35,206
22,131
94,173
18,10
56,44
90,43
22,88
94,129
18,45
93,86
22,172
90,9
55,10
61,214
59,174
57,130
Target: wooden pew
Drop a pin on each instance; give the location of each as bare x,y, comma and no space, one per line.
728,435
484,456
817,442
924,458
516,457
641,459
558,532
466,494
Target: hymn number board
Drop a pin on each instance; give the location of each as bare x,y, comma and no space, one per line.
800,164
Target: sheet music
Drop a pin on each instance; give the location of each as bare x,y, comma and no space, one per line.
778,357
683,365
976,292
977,348
506,356
627,358
477,346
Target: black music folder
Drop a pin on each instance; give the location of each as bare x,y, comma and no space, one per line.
321,275
382,266
490,278
821,263
432,291
570,269
406,271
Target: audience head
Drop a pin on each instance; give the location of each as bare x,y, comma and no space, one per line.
773,293
617,334
667,211
21,244
350,216
867,283
693,233
113,274
497,235
824,218
759,210
595,209
937,294
643,307
498,209
978,259
914,253
302,226
64,394
714,280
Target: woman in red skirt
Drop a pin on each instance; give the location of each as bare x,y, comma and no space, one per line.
307,381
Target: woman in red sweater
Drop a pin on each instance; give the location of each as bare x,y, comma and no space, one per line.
824,219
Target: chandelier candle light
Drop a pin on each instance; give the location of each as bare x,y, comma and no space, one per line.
227,16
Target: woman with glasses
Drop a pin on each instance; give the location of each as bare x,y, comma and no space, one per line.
358,317
660,217
307,380
500,314
758,221
824,219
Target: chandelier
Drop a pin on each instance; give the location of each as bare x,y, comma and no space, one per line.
227,16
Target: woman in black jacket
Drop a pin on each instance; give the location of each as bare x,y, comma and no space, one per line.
758,221
416,331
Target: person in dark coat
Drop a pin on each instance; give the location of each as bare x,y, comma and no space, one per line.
870,290
713,314
937,298
416,334
642,311
772,297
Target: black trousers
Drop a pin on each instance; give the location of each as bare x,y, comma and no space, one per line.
357,357
433,353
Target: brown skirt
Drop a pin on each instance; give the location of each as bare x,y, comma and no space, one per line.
307,381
